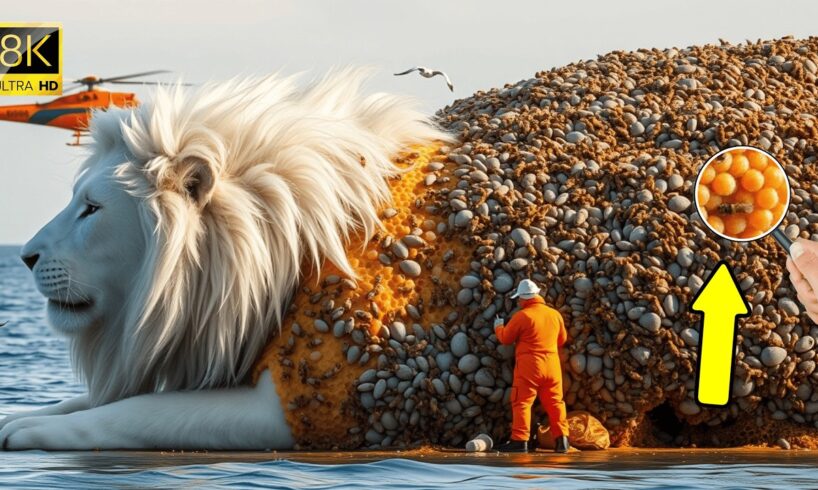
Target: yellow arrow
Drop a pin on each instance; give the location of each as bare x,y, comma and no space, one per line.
720,302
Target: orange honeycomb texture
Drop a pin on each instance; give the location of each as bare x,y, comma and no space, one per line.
315,382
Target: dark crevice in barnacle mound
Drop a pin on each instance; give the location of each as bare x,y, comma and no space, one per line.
665,424
599,157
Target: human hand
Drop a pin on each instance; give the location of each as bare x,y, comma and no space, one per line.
803,267
497,321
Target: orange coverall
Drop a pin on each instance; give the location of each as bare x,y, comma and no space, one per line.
539,331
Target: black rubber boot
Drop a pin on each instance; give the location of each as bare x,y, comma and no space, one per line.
562,445
533,441
513,447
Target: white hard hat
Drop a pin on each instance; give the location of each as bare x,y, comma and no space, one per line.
527,288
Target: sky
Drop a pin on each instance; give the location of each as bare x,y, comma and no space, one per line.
480,44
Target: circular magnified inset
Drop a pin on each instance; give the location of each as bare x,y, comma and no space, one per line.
742,193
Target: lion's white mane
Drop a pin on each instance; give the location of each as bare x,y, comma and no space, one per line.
240,184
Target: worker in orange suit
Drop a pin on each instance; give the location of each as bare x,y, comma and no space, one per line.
539,332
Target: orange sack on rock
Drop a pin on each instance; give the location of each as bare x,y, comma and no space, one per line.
584,431
539,331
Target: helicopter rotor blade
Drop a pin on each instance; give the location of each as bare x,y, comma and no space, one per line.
151,83
73,88
91,81
133,75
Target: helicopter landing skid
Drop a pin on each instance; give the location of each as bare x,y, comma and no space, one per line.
77,141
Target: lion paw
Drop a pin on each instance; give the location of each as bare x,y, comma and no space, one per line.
51,432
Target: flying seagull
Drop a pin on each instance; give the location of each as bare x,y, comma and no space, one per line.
3,324
427,73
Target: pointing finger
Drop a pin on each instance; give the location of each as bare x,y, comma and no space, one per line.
805,255
795,273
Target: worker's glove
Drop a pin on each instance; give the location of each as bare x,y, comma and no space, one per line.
497,321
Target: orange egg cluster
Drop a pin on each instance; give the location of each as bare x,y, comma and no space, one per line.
742,193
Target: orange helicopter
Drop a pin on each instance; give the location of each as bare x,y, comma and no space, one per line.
73,111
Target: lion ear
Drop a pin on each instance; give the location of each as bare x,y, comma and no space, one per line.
199,180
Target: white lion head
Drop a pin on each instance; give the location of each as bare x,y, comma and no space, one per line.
193,216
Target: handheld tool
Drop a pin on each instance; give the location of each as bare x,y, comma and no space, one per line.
782,239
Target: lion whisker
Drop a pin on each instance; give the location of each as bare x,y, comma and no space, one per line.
82,295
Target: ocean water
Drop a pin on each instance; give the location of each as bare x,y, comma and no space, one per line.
35,371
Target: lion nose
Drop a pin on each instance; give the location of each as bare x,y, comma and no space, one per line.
31,260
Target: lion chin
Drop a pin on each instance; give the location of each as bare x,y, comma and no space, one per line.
70,316
172,266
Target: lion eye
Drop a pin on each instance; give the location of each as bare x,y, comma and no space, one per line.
89,210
